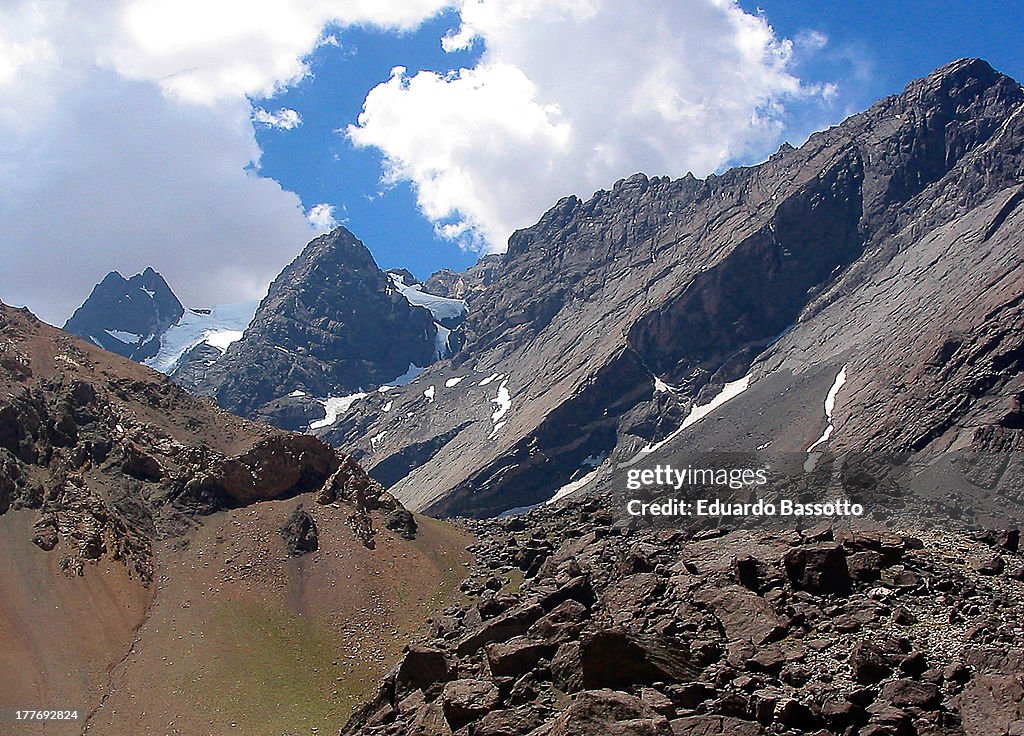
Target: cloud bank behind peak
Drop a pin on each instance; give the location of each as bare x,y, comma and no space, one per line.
570,95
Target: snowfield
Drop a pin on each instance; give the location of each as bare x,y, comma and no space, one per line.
570,488
830,407
729,391
128,338
335,406
223,325
441,307
406,378
504,402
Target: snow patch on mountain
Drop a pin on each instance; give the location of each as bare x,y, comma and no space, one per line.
223,338
830,407
572,487
593,462
128,338
441,345
441,307
504,402
729,391
408,377
335,406
218,326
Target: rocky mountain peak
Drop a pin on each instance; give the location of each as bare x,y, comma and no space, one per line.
127,316
466,285
332,324
335,254
959,74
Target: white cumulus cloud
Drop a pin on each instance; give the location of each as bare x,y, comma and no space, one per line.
126,141
207,50
283,119
321,217
570,95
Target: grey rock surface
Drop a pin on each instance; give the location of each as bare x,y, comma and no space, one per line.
332,324
888,245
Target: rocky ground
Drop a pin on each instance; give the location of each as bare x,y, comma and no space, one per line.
579,623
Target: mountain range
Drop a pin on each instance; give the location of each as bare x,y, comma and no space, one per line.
143,528
845,317
884,251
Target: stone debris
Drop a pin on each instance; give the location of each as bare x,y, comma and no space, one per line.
580,624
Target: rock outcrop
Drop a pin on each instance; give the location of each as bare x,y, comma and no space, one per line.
114,457
332,324
468,284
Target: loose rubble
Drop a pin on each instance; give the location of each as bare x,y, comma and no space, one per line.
577,623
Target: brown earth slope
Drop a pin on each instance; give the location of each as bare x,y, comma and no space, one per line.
143,578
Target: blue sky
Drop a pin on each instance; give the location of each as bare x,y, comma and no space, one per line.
130,129
321,165
875,48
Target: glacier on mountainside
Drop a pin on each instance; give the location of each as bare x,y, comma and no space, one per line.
217,326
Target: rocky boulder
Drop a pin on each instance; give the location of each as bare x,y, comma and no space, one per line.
464,701
300,533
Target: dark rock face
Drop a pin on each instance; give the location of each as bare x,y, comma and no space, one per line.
127,316
331,324
600,712
300,533
467,285
402,522
619,659
667,643
517,656
191,370
821,568
609,320
466,700
871,663
421,668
